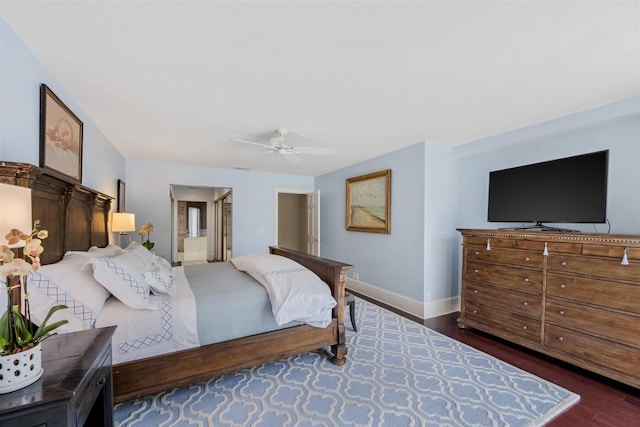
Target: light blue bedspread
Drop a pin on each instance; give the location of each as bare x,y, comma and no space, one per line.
229,303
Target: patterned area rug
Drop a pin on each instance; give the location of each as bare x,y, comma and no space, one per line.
398,373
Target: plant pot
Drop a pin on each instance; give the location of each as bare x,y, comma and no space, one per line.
21,369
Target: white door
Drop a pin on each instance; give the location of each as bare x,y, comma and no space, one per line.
313,223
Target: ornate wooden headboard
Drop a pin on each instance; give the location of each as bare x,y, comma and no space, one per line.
76,216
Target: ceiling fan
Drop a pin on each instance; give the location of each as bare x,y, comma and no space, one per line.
290,152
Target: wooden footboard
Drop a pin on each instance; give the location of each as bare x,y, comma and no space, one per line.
155,374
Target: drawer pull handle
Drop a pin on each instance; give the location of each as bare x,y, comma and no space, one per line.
475,270
625,260
475,311
563,263
475,291
526,279
477,253
560,339
526,258
525,327
562,286
561,312
525,304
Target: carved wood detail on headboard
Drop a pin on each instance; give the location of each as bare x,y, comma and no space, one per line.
76,216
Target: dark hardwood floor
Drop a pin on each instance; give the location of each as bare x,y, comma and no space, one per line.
603,402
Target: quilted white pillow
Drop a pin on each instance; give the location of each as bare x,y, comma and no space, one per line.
295,292
66,283
123,276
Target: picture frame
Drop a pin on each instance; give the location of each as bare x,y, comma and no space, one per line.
60,137
368,203
121,196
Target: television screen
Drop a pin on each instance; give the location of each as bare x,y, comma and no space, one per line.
568,190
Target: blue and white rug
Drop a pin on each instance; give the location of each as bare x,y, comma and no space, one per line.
398,373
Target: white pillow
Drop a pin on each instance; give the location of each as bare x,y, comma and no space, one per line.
140,251
295,292
161,277
108,250
66,283
160,282
123,276
160,262
95,251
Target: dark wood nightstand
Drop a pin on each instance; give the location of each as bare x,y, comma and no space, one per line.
76,387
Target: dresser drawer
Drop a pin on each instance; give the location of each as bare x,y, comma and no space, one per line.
598,267
608,354
558,247
616,252
615,326
507,256
493,242
499,320
503,275
616,295
506,299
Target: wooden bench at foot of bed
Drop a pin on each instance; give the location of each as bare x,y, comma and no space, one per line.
165,372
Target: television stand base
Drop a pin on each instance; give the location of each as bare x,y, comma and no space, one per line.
541,227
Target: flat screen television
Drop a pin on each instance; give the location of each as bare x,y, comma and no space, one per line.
567,190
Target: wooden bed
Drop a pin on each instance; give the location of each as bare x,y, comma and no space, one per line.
77,218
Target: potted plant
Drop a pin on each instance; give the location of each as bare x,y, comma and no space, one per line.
146,229
20,351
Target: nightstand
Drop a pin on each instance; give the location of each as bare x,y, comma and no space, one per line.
76,387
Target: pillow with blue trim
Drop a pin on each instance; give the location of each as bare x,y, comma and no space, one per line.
66,283
123,276
160,281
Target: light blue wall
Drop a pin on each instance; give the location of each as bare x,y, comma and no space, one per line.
254,195
615,127
393,262
441,175
21,74
436,189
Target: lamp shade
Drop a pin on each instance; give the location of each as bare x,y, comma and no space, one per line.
15,211
123,222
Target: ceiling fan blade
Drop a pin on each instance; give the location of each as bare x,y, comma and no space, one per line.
292,158
254,143
318,151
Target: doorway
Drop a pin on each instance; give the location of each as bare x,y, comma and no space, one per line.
297,224
195,234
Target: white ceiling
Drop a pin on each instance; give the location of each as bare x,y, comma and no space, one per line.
175,81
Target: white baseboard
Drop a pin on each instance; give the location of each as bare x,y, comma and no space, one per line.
421,309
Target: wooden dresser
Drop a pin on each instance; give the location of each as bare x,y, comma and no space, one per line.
573,296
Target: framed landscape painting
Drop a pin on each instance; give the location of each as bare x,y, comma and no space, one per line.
369,203
60,137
